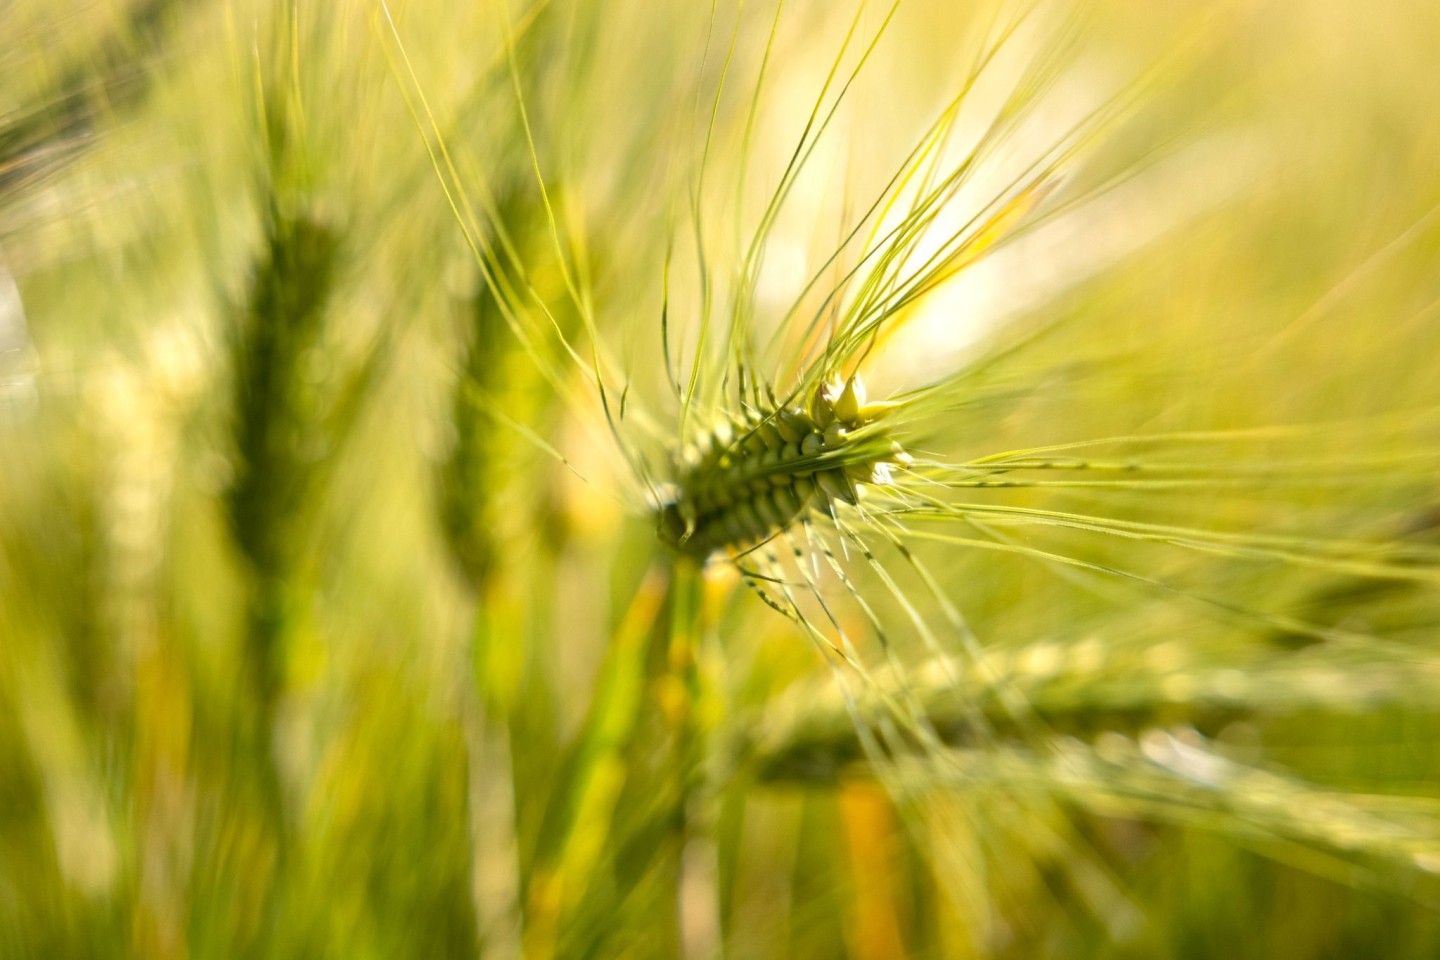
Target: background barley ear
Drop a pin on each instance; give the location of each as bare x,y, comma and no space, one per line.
280,446
69,102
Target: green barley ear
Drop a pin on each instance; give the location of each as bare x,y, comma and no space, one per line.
766,469
279,445
276,411
468,474
499,393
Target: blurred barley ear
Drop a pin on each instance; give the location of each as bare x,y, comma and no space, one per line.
277,430
291,413
83,94
503,536
494,371
467,485
469,472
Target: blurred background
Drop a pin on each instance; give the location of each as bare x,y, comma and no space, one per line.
332,622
